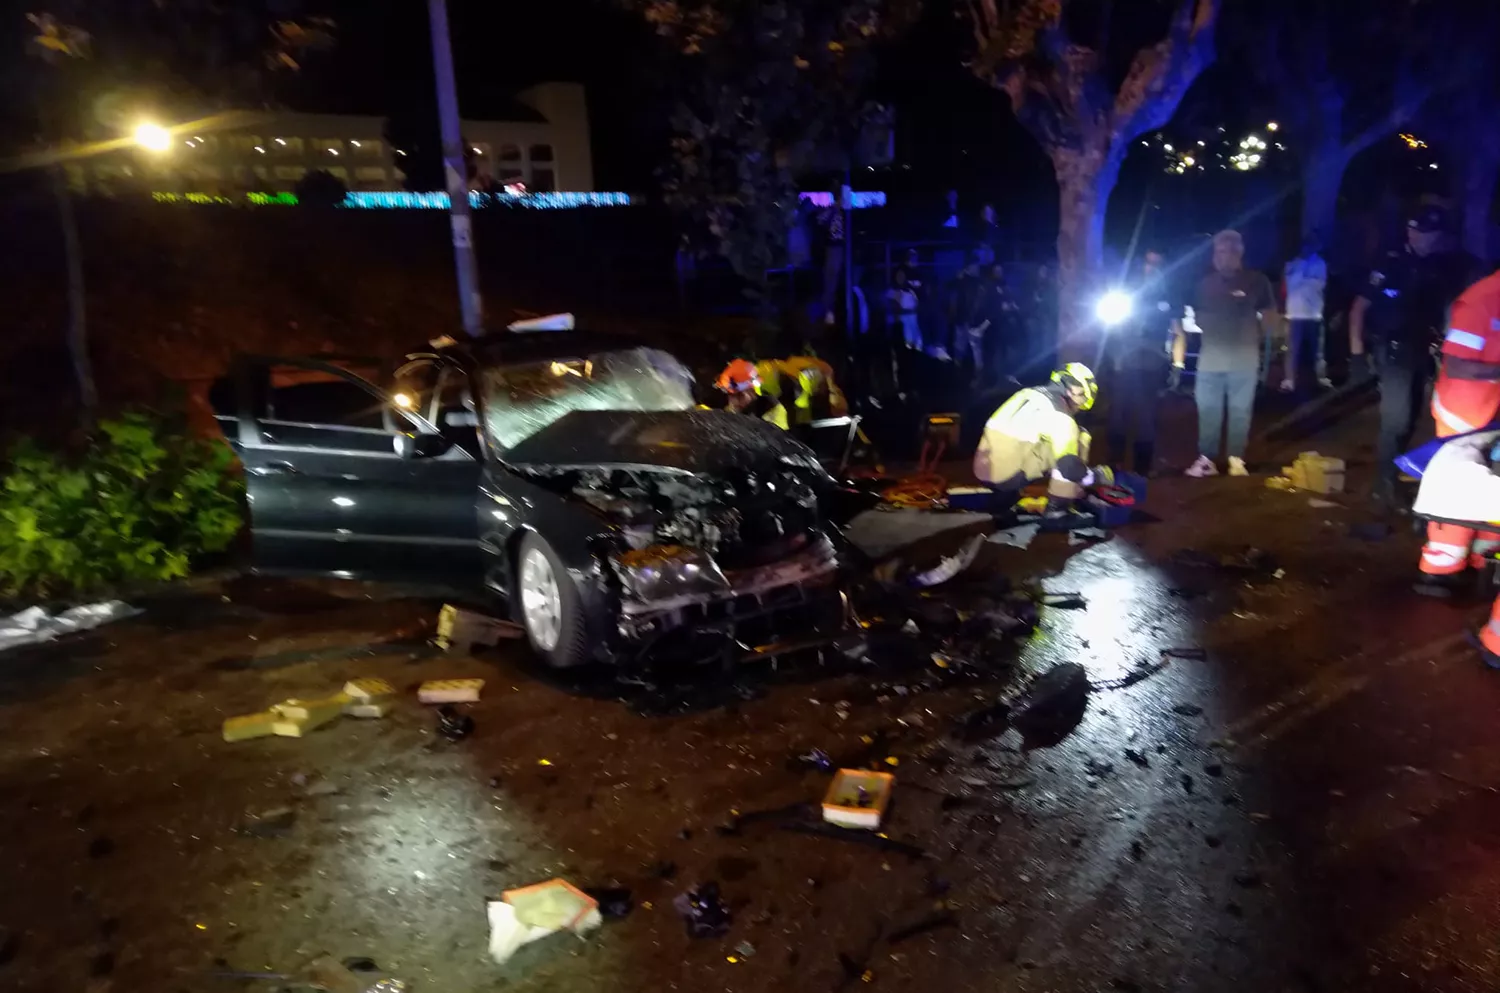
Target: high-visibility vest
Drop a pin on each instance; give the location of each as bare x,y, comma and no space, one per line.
1033,416
807,377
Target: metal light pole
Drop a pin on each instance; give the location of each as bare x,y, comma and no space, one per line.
851,320
469,302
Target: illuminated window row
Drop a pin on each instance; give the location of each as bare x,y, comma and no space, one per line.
398,200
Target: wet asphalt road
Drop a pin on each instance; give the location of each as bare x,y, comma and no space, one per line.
1312,807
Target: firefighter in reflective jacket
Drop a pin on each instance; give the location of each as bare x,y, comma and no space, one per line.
747,394
803,383
1466,398
1034,436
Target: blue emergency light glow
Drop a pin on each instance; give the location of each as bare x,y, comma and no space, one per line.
859,200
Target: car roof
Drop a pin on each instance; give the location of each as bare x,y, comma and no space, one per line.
519,347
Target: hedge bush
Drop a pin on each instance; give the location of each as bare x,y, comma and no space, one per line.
140,503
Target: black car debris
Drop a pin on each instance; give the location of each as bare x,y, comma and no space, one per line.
568,473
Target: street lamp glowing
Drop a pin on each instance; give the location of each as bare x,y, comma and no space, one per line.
1114,308
153,137
403,400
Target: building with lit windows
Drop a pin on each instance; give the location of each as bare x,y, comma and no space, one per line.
546,148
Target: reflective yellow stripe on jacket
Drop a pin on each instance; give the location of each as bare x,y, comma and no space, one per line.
1031,416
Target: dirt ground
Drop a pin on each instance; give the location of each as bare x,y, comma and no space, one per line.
1310,807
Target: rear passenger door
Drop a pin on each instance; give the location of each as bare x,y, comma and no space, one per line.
330,493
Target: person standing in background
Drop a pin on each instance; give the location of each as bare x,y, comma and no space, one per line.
902,306
998,315
1138,359
832,220
1041,320
987,235
965,298
914,270
1233,307
1306,280
1403,308
951,222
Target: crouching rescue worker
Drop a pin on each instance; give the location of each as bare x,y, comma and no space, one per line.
1034,436
746,394
1466,398
804,385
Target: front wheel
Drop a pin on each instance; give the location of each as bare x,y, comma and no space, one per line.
550,606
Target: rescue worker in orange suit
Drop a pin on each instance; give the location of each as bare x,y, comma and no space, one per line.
1466,398
741,383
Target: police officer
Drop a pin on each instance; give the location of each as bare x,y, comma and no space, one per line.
1138,353
1400,314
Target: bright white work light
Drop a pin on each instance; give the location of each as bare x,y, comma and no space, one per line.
153,137
1114,308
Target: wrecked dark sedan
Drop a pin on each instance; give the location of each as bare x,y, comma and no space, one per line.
569,474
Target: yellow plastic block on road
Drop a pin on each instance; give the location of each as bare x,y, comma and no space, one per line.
297,717
368,689
250,726
450,690
368,708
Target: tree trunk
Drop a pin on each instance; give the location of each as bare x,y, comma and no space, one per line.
1480,170
77,336
1085,180
1322,176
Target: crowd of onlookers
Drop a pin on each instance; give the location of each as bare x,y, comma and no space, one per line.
950,298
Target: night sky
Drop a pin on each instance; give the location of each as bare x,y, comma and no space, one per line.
383,65
952,129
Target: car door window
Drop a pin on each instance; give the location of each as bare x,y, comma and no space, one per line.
323,399
295,403
439,390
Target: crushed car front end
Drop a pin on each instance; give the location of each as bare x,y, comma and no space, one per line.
711,524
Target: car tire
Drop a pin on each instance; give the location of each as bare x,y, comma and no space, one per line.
548,605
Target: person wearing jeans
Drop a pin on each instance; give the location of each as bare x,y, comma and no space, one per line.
1232,306
1218,392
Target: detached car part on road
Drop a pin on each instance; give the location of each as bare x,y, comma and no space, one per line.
568,473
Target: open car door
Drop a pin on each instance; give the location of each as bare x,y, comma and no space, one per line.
345,481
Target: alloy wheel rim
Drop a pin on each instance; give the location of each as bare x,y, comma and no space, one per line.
541,601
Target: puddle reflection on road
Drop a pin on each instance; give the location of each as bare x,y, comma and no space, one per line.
1130,619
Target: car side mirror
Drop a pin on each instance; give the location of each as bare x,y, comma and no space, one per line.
420,446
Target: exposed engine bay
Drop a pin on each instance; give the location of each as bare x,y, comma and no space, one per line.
742,518
737,549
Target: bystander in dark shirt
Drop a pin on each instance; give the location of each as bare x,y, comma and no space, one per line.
1227,309
964,298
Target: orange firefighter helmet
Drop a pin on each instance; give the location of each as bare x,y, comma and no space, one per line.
739,376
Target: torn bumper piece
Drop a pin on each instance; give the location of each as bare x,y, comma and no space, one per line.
667,574
667,587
